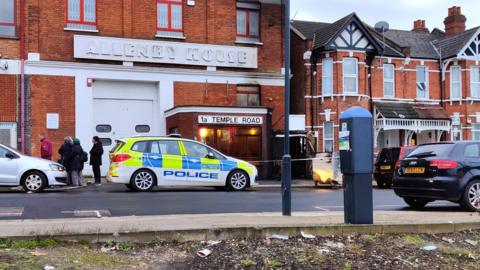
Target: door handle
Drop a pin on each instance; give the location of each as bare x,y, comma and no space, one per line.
194,160
155,157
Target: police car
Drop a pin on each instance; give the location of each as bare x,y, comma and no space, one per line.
141,163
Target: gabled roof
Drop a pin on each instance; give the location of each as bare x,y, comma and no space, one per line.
452,45
421,44
326,34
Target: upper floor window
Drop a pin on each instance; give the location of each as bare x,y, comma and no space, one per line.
7,17
82,15
327,76
422,82
455,83
350,76
248,95
170,18
388,80
248,22
475,81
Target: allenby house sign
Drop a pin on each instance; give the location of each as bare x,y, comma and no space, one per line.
230,120
151,51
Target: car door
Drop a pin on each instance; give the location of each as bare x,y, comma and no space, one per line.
204,165
471,157
168,162
8,167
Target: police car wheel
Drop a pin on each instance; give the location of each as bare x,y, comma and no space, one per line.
237,181
143,180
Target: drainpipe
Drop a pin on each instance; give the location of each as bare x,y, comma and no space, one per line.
22,75
313,70
369,61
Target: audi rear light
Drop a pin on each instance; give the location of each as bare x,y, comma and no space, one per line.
443,164
121,158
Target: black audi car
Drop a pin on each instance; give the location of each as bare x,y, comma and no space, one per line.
440,171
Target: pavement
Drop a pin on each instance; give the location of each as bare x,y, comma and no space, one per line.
223,226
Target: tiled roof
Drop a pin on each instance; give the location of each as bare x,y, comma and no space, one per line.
421,44
308,29
451,45
324,35
401,110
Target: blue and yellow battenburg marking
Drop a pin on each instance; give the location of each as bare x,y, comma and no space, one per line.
208,167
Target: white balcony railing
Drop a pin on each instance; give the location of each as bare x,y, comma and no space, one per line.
416,125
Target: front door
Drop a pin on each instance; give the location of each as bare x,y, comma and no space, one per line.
8,168
202,169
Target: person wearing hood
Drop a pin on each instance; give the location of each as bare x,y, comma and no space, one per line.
96,159
65,152
77,161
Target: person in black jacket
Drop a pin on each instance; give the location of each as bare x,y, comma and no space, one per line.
96,159
76,163
65,152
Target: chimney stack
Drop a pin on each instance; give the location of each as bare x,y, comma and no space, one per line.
420,26
455,21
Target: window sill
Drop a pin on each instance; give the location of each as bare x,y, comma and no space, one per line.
9,37
258,43
80,30
170,37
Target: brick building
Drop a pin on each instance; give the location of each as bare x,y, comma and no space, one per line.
421,86
208,69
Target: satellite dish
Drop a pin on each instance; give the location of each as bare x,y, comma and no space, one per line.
382,27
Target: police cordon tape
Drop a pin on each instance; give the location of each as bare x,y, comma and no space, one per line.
279,160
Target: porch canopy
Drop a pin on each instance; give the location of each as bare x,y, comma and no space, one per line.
414,118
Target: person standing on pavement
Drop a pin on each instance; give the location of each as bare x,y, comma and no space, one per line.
76,163
45,147
65,152
96,159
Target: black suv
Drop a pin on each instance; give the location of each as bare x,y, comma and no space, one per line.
440,171
386,162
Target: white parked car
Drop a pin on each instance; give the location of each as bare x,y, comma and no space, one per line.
33,174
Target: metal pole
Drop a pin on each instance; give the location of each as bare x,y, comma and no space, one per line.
286,159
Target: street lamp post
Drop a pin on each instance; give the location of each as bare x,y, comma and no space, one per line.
286,159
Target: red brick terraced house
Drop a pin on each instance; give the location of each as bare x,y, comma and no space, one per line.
421,86
210,70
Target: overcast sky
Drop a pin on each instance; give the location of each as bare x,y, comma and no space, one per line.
400,14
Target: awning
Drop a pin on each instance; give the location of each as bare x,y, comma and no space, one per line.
408,116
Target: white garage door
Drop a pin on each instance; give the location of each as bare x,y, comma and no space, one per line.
123,109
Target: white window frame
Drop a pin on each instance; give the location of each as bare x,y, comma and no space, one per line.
345,75
476,130
12,127
427,83
474,84
332,139
389,80
452,133
327,90
457,81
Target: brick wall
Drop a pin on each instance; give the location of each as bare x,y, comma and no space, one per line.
51,94
137,19
226,95
8,98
